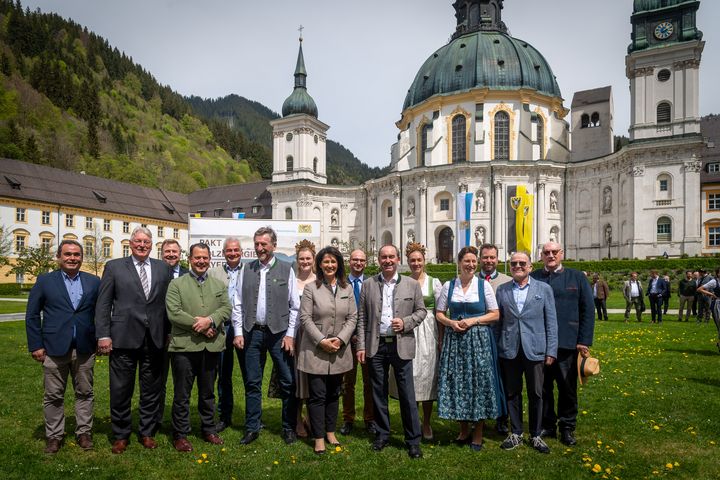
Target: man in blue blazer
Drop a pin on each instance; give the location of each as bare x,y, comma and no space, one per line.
63,340
656,291
527,341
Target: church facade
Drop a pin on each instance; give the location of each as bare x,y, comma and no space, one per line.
485,115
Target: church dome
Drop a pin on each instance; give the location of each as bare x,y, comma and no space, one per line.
481,54
300,101
647,5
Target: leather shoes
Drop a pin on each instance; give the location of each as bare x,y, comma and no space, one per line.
52,445
567,437
346,428
213,438
289,437
182,445
379,444
148,442
222,425
548,433
249,438
414,451
119,446
371,428
84,441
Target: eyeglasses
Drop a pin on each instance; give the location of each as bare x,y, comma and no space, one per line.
518,264
554,252
142,242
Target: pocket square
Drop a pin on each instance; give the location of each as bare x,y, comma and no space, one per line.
538,297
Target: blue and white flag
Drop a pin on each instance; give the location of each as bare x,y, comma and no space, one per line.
238,215
464,207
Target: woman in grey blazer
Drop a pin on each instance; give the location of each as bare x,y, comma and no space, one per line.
328,314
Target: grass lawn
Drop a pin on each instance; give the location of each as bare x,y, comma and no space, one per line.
652,413
12,307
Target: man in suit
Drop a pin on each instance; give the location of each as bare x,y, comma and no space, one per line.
170,250
527,342
686,293
132,327
657,287
63,340
633,293
265,315
703,301
197,306
576,323
229,274
391,306
488,271
601,292
357,262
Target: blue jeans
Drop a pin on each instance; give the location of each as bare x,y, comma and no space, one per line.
259,342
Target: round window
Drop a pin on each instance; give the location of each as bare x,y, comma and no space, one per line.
289,137
663,75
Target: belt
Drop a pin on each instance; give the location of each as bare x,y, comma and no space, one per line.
257,326
388,338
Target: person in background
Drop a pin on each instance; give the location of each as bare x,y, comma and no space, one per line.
703,300
666,295
329,316
696,277
633,293
711,290
686,294
656,292
229,274
61,336
601,292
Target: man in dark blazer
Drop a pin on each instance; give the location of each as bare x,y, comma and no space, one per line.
576,323
656,290
132,327
63,340
391,306
527,341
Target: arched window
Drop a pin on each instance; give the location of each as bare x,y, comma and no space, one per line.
502,136
663,112
664,229
289,163
288,213
424,142
663,187
584,120
541,136
459,153
595,119
315,164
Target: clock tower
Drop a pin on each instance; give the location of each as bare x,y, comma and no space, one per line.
663,66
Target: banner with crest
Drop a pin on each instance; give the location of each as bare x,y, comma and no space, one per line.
520,219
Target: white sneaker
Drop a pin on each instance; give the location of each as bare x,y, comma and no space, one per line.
512,441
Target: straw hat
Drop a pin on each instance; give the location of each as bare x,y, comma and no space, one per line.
587,367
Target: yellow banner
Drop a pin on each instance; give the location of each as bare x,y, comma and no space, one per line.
522,203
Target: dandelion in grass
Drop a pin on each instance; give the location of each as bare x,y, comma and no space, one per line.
597,468
204,456
338,448
275,462
669,466
199,460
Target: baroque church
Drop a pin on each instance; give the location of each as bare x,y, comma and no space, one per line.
484,114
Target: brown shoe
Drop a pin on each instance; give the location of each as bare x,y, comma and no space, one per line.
119,446
183,445
52,445
213,438
148,442
84,441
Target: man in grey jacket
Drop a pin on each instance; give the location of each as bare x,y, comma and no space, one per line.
527,341
391,306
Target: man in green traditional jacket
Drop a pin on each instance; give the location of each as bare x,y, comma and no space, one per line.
197,307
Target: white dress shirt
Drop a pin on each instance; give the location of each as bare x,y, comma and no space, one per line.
388,313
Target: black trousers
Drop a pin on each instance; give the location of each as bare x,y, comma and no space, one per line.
226,362
512,373
163,390
563,372
323,402
146,362
601,308
379,366
656,307
186,367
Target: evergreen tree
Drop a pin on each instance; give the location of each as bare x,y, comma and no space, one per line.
32,152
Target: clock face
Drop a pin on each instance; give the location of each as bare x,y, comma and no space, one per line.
663,30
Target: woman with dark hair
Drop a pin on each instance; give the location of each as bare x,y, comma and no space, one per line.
469,388
328,314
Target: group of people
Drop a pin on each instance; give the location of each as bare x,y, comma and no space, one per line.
466,344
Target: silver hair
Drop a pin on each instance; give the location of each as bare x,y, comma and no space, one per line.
143,230
231,239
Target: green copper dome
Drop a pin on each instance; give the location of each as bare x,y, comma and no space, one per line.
647,5
300,100
482,59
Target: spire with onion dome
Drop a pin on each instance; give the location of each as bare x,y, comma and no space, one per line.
300,101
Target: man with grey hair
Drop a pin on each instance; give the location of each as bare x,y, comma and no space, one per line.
132,328
61,336
229,274
264,317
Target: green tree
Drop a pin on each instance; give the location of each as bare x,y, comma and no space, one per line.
32,152
94,254
33,261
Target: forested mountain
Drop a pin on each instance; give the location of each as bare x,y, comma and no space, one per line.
70,100
251,119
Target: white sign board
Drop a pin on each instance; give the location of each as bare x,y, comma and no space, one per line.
213,231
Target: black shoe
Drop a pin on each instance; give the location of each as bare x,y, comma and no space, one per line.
567,437
222,425
289,437
370,428
319,452
502,429
539,445
548,433
462,441
249,438
379,444
414,451
346,428
476,447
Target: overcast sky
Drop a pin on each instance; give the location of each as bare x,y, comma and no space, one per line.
361,56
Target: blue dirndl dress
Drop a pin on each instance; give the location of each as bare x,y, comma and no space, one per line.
469,385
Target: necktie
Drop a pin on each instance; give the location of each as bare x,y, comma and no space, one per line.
487,277
356,291
144,279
